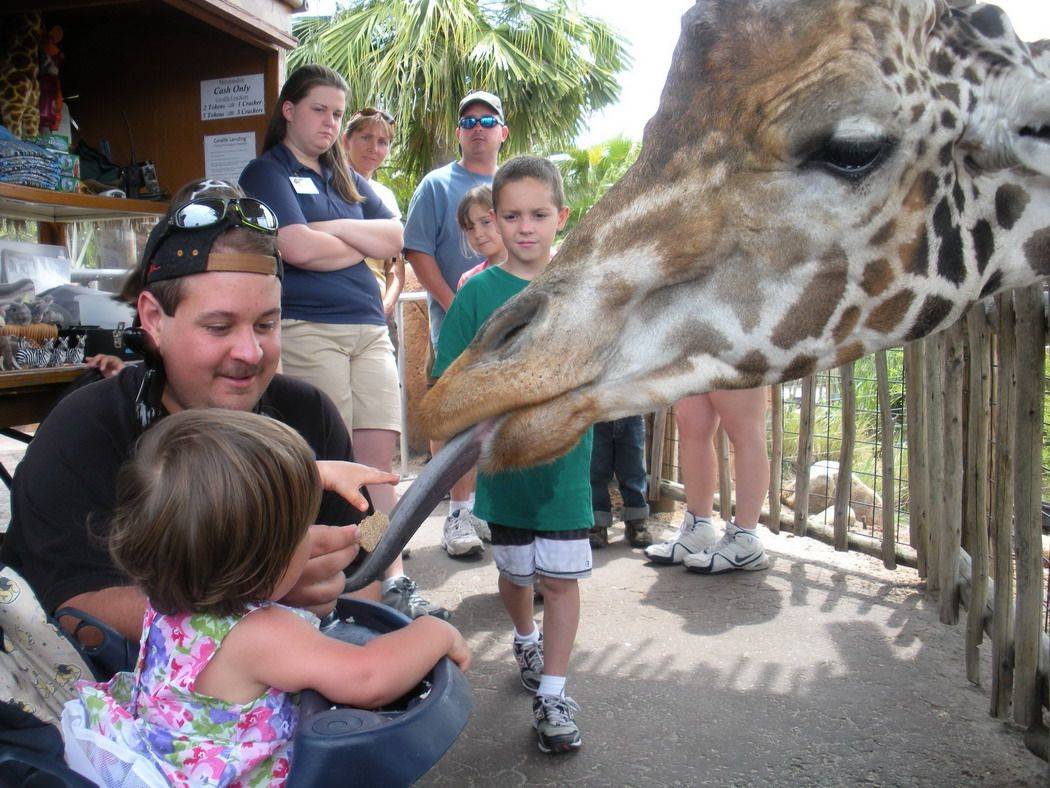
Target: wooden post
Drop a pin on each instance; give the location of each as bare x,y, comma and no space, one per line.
935,458
725,476
656,453
776,463
1003,509
976,519
805,456
951,490
1028,426
918,472
889,499
849,438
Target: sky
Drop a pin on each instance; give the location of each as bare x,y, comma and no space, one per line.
651,31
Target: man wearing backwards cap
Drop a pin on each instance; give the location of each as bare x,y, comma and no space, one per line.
208,294
439,258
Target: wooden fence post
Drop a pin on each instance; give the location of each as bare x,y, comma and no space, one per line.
889,499
976,519
849,437
918,471
951,490
776,462
1002,512
805,457
725,476
1028,304
935,521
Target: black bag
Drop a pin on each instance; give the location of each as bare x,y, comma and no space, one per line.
96,166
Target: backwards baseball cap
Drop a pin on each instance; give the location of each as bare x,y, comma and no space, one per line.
482,97
180,244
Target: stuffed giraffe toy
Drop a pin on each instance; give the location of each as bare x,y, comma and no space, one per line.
20,74
823,179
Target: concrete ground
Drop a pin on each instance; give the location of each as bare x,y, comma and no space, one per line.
827,669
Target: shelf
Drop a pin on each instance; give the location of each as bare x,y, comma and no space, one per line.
47,376
41,205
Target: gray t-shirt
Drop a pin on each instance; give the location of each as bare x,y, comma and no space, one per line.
431,228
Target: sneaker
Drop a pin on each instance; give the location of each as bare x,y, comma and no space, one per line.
481,528
737,549
530,662
552,720
460,539
637,534
694,535
599,537
404,597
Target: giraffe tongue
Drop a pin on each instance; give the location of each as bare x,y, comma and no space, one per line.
456,458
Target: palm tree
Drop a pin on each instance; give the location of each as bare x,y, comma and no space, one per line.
551,64
589,172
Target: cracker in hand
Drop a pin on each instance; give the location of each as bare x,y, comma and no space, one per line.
371,530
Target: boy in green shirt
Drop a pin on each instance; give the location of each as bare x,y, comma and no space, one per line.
539,517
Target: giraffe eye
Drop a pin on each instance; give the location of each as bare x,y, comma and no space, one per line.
851,159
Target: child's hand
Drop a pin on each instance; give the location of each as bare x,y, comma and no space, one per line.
459,652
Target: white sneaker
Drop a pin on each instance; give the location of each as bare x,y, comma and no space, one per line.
695,534
481,528
460,539
737,549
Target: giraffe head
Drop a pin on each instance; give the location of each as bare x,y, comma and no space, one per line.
823,178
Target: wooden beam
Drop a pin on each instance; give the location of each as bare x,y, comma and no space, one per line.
776,462
951,489
805,456
845,477
889,498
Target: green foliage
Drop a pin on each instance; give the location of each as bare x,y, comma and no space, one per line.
589,172
550,64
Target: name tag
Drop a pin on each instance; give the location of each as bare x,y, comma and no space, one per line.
303,185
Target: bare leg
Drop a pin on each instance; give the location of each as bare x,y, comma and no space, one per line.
561,618
518,602
697,422
743,415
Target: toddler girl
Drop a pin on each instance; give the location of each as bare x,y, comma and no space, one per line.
211,522
479,230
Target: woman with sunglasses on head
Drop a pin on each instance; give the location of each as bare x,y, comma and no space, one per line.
333,325
367,143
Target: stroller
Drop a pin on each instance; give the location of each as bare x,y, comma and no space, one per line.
39,667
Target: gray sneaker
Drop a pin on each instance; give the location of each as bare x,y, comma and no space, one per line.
556,731
529,657
404,597
460,537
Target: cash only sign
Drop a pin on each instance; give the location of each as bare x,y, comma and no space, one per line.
232,97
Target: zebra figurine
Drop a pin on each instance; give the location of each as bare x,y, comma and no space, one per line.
76,352
60,355
29,355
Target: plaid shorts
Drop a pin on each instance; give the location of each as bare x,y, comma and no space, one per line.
521,554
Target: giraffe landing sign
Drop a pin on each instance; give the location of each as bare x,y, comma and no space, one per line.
823,178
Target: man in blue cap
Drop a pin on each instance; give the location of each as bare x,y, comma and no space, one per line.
439,257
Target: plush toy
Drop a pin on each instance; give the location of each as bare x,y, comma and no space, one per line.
18,314
20,73
50,86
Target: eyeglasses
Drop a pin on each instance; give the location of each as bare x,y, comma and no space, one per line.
486,121
371,112
206,211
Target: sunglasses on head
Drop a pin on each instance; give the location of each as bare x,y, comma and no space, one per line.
371,112
206,211
486,121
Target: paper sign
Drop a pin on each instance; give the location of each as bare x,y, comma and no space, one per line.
226,155
232,97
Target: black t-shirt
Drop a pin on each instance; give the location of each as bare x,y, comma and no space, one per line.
65,487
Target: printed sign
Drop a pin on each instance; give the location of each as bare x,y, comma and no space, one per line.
232,97
226,155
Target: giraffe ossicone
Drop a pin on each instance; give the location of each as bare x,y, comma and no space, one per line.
823,178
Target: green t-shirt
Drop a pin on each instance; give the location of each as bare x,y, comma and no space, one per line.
551,497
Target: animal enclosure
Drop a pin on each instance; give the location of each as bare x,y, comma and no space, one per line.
944,444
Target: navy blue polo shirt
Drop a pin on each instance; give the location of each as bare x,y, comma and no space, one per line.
350,295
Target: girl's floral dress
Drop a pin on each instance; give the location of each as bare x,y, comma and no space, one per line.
193,739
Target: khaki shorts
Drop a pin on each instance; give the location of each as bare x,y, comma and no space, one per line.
353,364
